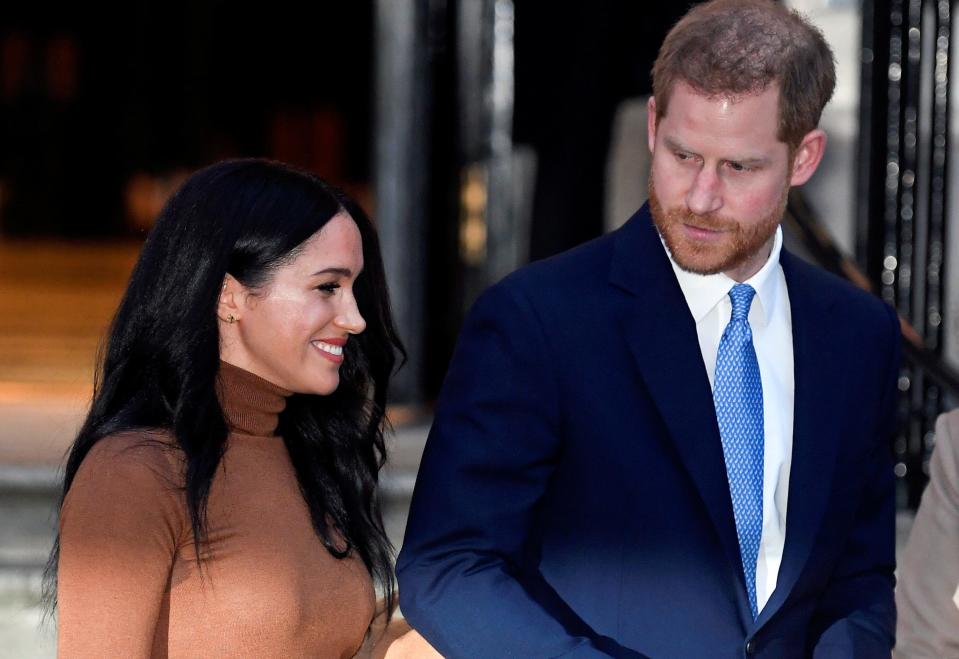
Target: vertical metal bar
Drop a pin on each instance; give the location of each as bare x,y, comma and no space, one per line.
874,66
938,171
401,166
902,222
909,156
474,64
937,204
880,174
490,236
892,21
503,244
890,241
474,70
907,302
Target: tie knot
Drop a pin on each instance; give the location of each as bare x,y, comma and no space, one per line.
741,295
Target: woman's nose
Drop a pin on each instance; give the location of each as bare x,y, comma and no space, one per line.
350,318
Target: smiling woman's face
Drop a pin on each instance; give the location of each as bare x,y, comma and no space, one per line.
292,331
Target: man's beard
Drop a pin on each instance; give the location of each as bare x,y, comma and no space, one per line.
738,243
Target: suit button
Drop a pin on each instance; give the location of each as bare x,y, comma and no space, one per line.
751,647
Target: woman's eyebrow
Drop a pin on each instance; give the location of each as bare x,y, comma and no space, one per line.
345,272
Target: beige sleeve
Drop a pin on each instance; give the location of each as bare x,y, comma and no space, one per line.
928,576
119,528
397,640
403,642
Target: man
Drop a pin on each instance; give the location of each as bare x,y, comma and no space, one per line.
673,441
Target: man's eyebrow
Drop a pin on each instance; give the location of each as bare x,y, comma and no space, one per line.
673,145
747,161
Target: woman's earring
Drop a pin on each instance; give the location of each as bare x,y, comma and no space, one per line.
231,319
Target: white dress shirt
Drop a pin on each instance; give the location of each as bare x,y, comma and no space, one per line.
771,321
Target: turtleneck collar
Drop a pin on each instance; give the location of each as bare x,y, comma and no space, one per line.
250,404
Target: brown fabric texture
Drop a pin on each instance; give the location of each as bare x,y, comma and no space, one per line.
129,584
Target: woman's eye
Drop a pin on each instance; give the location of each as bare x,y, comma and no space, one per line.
329,289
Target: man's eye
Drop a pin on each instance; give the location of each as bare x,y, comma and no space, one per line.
737,167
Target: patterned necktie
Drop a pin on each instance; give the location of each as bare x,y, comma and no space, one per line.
738,396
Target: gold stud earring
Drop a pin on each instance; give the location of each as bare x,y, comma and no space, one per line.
231,319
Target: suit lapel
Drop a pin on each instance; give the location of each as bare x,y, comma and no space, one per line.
662,337
817,408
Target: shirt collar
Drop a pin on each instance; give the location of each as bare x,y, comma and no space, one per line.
704,292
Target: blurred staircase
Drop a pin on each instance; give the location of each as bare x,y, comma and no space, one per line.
56,300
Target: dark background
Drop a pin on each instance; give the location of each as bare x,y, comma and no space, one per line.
89,101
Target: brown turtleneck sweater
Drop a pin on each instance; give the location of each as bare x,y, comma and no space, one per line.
129,584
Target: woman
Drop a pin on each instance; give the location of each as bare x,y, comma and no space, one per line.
220,498
927,592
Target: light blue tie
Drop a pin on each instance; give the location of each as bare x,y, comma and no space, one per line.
738,396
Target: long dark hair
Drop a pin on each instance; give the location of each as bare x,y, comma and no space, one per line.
159,364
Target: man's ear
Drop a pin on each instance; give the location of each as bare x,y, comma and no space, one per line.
230,303
651,123
808,156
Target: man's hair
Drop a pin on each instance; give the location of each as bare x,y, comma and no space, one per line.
741,47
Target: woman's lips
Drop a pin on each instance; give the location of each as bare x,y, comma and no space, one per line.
332,349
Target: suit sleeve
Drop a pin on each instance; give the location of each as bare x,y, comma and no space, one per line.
856,615
928,623
118,535
490,454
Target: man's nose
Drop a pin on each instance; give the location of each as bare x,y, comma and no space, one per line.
704,194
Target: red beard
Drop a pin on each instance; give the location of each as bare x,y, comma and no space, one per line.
733,248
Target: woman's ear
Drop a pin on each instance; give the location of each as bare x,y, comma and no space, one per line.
228,307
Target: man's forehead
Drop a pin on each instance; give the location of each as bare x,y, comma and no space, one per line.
726,96
745,116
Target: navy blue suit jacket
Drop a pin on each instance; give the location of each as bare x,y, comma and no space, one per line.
572,500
